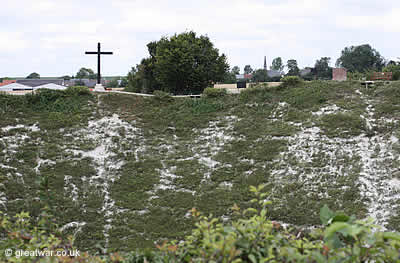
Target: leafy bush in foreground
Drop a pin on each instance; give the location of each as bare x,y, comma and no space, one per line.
251,238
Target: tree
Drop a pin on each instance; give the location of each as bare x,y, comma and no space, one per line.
181,64
124,82
229,78
112,84
260,75
248,69
277,64
322,69
79,83
66,77
33,75
360,58
134,80
236,70
293,69
395,69
86,73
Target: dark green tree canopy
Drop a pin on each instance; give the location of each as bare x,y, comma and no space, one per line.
230,76
360,58
66,77
394,68
277,64
181,64
86,73
322,69
186,63
112,83
248,69
260,75
33,75
293,69
236,70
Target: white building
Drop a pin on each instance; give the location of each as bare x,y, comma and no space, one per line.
50,86
14,87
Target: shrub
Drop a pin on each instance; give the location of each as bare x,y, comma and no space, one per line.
202,105
356,76
254,238
395,69
249,237
291,81
343,124
162,96
78,90
259,93
214,93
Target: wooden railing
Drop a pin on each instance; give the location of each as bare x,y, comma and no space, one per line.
382,76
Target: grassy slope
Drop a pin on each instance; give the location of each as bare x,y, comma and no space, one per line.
187,153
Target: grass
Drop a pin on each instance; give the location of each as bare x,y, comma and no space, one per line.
343,125
173,135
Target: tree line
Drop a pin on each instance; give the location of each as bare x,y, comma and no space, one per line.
187,63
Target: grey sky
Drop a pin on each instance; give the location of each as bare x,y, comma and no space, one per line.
51,36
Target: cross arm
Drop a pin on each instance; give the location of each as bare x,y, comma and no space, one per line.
96,53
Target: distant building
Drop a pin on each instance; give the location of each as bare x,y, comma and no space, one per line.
306,71
7,81
243,76
339,74
14,87
51,86
90,83
274,73
39,82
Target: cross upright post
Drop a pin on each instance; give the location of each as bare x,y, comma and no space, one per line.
98,53
98,63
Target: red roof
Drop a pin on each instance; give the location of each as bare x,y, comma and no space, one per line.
247,76
7,81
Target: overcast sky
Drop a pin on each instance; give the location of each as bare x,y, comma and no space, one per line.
51,36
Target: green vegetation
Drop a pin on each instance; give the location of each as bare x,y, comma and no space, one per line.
260,75
291,81
322,68
249,237
86,73
277,64
293,69
50,108
214,93
343,125
395,69
161,156
33,75
360,58
181,64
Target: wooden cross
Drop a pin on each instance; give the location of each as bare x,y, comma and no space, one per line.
98,53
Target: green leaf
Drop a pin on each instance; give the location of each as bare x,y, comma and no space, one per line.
326,215
318,257
251,210
391,235
354,230
252,258
341,218
336,227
